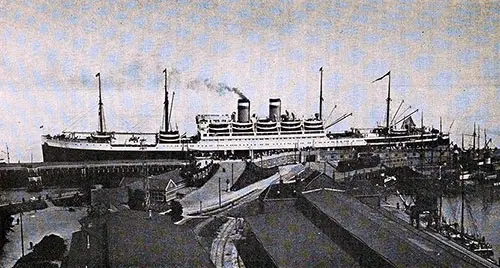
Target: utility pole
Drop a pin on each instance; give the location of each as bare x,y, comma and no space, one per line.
474,138
485,141
462,141
220,200
478,137
463,203
22,232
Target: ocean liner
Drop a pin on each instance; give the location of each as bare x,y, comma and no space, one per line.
238,135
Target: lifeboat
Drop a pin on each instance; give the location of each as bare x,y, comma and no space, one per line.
290,125
266,125
218,127
242,127
313,124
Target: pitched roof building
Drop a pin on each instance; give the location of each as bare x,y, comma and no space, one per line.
132,239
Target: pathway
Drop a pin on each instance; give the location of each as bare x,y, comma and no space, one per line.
209,193
224,252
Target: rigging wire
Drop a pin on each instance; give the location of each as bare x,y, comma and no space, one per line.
77,120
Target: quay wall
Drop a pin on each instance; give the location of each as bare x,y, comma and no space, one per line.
76,174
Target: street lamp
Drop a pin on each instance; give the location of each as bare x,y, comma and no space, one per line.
232,173
22,232
441,196
220,201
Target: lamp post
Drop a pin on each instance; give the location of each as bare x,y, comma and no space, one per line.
441,196
232,173
220,200
463,202
22,232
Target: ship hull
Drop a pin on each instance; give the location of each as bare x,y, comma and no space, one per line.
62,154
414,141
71,151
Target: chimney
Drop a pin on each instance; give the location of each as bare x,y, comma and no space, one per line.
275,109
243,111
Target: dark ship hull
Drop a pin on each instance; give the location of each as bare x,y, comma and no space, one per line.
61,154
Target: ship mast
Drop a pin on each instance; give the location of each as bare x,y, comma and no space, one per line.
101,111
321,93
171,107
388,101
388,97
166,101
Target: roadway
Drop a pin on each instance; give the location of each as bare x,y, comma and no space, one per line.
209,193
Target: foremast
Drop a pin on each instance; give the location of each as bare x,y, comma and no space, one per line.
167,135
101,134
387,125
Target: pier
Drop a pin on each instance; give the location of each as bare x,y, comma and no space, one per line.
16,175
310,230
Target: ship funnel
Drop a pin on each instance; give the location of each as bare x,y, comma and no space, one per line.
243,110
274,109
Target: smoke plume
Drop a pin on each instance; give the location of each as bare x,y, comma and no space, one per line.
220,88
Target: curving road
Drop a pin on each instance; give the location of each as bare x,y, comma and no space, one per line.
209,193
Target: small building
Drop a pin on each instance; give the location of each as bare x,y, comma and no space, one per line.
133,239
162,188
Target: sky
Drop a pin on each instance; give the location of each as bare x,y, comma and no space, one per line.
443,57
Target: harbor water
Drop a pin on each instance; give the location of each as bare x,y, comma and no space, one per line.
481,215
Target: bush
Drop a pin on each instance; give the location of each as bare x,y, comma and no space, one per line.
137,199
51,248
176,213
5,227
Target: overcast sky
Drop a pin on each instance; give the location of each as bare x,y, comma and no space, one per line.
443,57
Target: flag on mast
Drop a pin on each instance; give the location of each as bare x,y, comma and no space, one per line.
378,79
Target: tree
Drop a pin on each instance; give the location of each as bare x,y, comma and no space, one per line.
176,212
137,199
5,226
51,248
